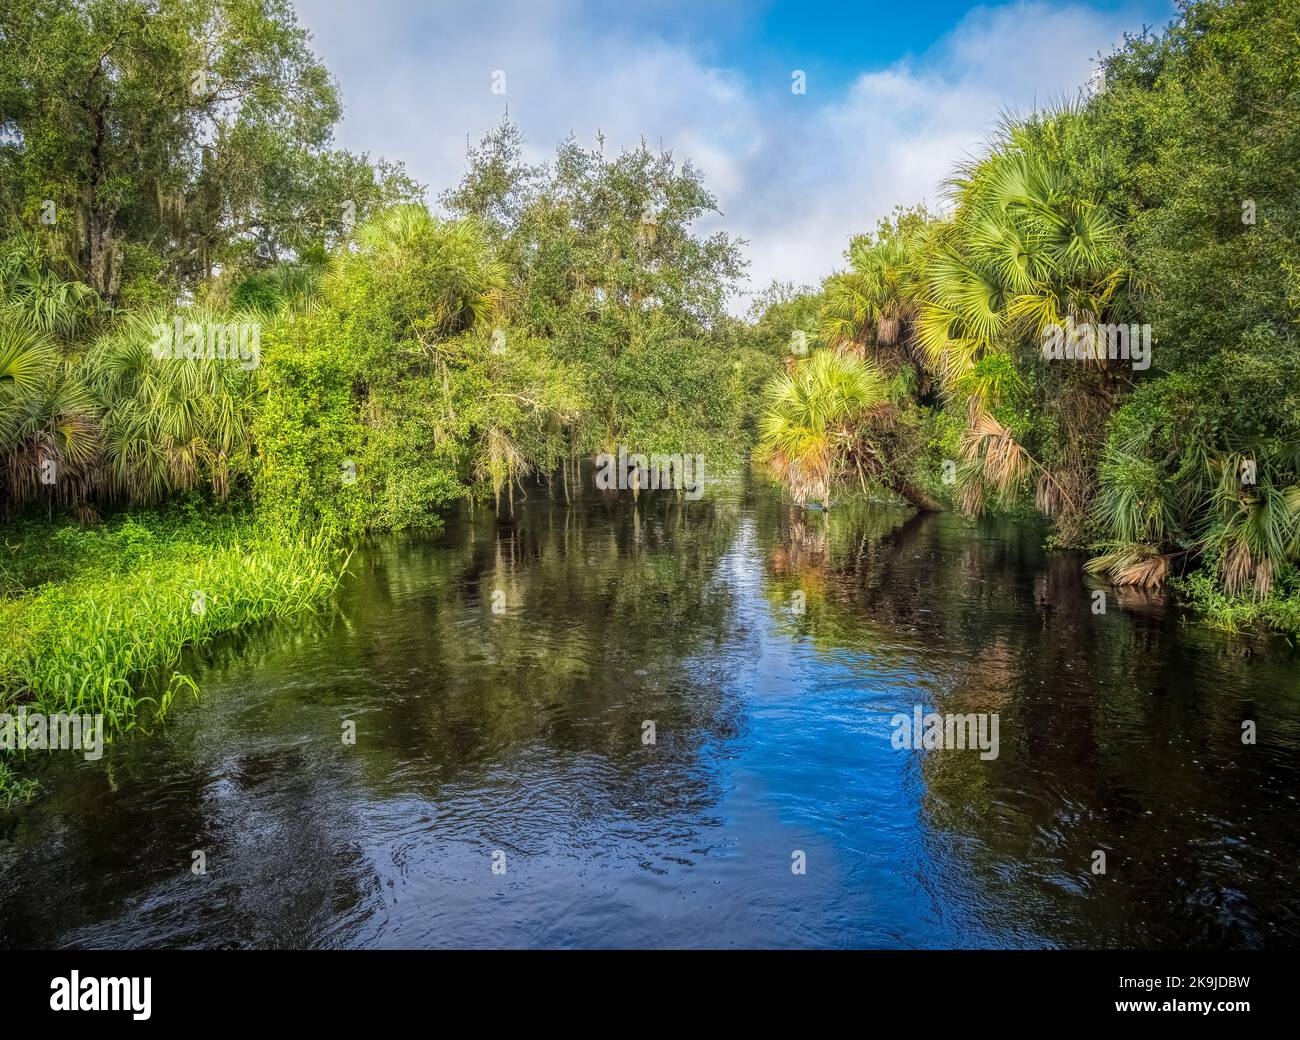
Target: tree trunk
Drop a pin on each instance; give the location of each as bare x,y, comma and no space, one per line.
916,496
102,261
100,256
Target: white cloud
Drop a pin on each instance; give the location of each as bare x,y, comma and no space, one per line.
795,175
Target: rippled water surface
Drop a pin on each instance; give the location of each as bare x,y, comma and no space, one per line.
522,734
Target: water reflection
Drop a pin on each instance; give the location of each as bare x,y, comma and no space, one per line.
521,732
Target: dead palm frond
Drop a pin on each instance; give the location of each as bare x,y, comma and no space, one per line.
1143,566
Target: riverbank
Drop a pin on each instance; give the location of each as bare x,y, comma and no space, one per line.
96,620
1279,612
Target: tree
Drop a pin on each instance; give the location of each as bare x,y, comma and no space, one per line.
875,302
604,263
1027,249
198,127
822,424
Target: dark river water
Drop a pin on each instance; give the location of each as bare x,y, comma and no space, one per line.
519,739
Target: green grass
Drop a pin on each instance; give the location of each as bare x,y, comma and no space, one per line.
1280,612
14,788
97,621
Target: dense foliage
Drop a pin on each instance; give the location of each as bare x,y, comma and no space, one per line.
1165,199
202,301
205,306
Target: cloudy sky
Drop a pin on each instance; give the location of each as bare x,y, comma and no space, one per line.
896,92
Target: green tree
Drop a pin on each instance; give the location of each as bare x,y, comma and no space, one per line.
198,128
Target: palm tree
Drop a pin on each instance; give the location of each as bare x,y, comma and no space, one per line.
874,301
49,437
462,280
813,429
1022,253
284,288
1238,509
1252,529
169,425
27,362
32,294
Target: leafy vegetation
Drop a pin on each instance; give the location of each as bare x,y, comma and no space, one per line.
98,621
172,170
1161,201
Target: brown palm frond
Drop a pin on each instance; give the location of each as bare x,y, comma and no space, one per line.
1242,568
970,497
1149,574
887,330
986,443
1048,496
1140,566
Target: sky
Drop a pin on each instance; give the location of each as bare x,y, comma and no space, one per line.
895,94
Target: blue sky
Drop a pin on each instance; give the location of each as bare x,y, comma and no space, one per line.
896,93
835,41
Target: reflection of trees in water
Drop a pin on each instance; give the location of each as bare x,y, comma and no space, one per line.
528,723
119,872
1122,734
608,603
820,554
1118,732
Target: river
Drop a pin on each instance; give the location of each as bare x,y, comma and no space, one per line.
667,723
